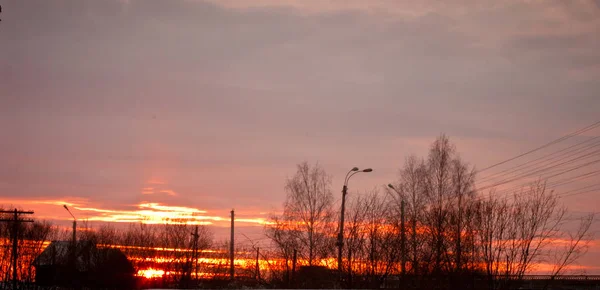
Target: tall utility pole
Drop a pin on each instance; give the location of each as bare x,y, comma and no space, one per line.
231,249
402,232
257,276
74,227
73,251
195,252
294,259
402,239
15,238
340,241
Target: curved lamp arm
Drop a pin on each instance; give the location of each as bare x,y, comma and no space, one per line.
65,206
354,169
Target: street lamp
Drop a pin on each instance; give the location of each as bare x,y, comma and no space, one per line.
402,232
340,242
74,227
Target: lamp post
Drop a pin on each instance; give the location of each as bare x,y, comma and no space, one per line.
74,226
340,242
74,241
402,233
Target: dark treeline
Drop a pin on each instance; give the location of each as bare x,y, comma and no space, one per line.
454,236
450,236
32,239
170,248
174,254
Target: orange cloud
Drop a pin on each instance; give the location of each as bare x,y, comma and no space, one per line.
144,212
156,213
169,192
157,187
59,202
170,208
546,268
156,181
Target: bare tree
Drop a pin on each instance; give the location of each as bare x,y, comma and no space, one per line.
282,232
372,239
34,238
515,235
491,227
356,218
31,241
537,218
438,187
382,239
309,208
411,189
462,197
575,245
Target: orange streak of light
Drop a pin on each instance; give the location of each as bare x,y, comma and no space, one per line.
150,273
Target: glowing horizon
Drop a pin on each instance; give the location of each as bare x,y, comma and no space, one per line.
128,114
145,212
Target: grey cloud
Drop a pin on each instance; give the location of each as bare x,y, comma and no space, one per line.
195,87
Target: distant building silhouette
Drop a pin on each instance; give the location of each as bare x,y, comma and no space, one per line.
315,277
87,266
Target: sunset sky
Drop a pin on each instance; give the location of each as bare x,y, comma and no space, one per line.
123,109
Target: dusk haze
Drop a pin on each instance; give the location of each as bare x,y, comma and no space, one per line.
356,143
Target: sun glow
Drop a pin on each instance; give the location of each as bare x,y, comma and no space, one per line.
150,273
157,213
145,212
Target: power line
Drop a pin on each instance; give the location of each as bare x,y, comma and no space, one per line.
579,190
547,167
553,183
533,162
559,169
575,178
560,173
530,173
585,129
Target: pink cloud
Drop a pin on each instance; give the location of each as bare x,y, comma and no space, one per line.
169,192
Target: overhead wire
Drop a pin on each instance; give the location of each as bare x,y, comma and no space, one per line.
530,173
567,152
565,137
558,170
547,173
553,184
543,159
547,166
579,191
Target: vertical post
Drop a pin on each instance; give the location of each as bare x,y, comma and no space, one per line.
74,247
15,239
196,253
75,234
459,234
287,271
231,249
349,284
257,274
415,265
341,234
294,266
73,252
402,239
15,248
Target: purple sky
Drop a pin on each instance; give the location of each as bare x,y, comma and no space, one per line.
211,104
